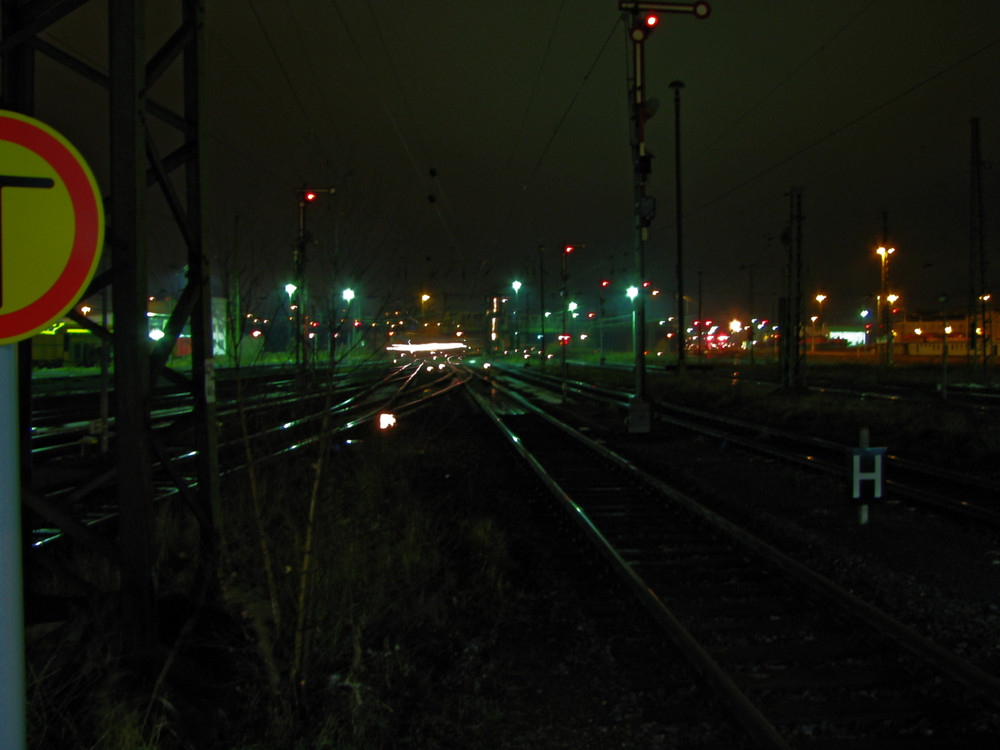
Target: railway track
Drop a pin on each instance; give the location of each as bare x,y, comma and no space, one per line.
76,486
930,485
798,660
66,415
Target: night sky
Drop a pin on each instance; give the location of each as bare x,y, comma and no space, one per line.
463,135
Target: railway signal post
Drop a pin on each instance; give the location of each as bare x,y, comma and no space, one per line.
644,18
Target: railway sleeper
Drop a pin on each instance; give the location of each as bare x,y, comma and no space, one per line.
860,712
794,677
711,607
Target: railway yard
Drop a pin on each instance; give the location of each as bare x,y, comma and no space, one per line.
509,566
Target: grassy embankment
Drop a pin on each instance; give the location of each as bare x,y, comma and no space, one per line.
349,581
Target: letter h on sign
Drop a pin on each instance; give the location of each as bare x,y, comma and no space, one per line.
866,464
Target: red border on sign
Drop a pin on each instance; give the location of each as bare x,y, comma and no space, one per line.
78,271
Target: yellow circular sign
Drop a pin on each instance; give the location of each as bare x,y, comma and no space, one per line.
51,226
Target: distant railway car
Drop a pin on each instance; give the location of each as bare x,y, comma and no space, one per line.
61,345
48,348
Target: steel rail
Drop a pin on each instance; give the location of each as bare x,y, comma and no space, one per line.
93,511
969,676
914,493
745,712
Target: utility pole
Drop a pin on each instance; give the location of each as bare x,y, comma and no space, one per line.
943,299
541,299
563,301
235,327
791,313
886,319
306,196
750,317
701,319
643,20
977,255
677,86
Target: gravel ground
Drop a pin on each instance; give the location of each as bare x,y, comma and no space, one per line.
936,573
572,666
575,667
574,675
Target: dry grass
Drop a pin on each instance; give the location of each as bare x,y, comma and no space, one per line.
405,563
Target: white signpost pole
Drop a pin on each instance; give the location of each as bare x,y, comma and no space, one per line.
12,685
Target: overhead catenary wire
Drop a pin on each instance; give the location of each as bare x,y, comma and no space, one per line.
317,79
841,128
288,81
774,89
572,102
534,87
418,171
406,105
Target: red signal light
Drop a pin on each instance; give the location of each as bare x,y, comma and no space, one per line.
651,20
605,282
309,195
568,249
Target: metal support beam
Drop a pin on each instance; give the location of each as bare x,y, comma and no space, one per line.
203,363
127,239
135,165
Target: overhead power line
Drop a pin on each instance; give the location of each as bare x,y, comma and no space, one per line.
840,129
572,102
288,81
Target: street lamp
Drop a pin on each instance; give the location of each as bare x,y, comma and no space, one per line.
567,251
632,292
290,289
987,335
884,323
423,298
819,301
348,295
516,286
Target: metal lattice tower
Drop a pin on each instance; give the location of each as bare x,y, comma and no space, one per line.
136,165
